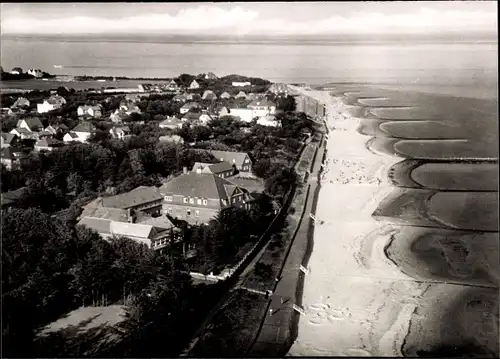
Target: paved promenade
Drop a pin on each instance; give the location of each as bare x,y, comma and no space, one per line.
276,334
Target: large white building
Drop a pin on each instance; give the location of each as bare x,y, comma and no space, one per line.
52,103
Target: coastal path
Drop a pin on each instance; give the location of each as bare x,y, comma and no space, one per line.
276,331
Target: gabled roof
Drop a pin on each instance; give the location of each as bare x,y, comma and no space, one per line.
191,116
96,210
200,185
172,83
211,75
20,130
237,158
56,100
13,196
261,102
47,142
159,222
7,138
190,105
209,94
214,168
12,153
84,127
21,101
120,129
241,94
225,95
171,120
72,134
100,225
180,97
138,196
51,128
32,122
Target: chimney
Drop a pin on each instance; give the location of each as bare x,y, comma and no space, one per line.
184,170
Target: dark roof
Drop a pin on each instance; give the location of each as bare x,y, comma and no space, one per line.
263,102
32,122
12,197
237,158
12,153
7,137
84,127
191,105
47,142
138,196
21,101
200,185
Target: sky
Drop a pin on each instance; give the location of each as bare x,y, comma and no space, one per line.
257,18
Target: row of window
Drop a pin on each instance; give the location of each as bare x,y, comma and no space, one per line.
188,212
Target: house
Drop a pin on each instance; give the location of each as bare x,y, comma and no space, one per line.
210,76
11,198
71,137
244,114
172,86
32,124
242,95
224,111
222,169
80,133
269,120
54,102
144,199
35,72
22,133
204,118
47,144
180,98
55,129
241,160
209,95
16,71
193,97
12,158
191,117
241,84
194,85
189,106
152,236
156,233
171,123
8,139
128,108
118,116
120,132
175,139
278,88
263,105
198,197
225,95
91,111
6,111
21,102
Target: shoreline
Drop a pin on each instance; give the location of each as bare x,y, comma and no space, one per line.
358,291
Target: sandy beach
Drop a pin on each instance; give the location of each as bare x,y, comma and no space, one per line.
358,302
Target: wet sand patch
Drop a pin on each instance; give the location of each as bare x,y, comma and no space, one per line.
457,176
446,255
466,210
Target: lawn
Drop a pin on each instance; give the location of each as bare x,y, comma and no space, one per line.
233,328
82,332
